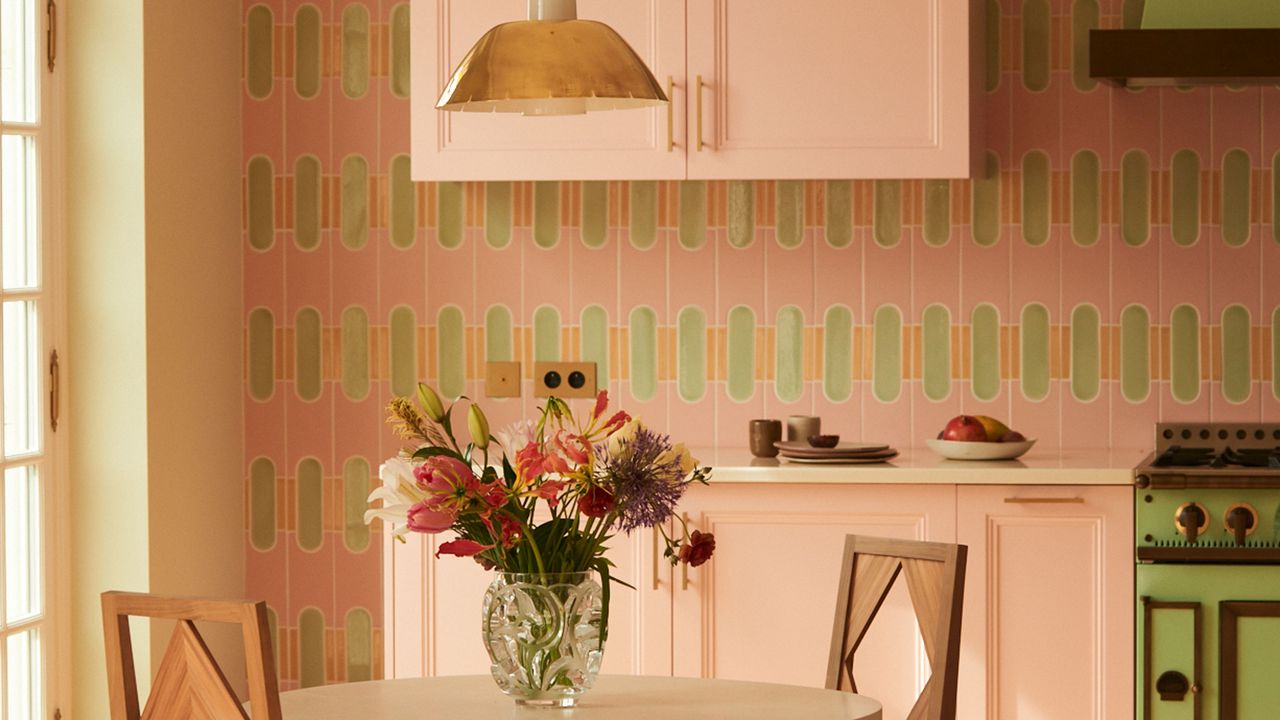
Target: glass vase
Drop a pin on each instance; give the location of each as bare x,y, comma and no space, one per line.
542,632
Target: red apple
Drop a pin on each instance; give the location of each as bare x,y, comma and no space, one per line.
965,428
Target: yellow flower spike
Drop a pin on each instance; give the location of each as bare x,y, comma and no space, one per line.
430,402
478,424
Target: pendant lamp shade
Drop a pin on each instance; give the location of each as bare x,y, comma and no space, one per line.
551,67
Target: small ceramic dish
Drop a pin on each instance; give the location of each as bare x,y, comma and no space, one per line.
956,450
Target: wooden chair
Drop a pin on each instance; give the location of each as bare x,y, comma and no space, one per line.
935,581
188,685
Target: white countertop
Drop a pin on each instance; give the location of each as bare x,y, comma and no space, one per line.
1097,466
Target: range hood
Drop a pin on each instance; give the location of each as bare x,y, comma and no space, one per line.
1192,42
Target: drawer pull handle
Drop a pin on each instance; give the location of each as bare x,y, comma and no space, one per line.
655,557
1045,500
700,143
671,118
684,566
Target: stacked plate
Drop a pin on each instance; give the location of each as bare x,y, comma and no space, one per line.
846,453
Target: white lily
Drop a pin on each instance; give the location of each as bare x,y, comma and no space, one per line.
399,492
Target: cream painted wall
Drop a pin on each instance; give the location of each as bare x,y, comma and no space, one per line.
154,313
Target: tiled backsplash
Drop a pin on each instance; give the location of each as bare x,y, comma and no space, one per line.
1108,271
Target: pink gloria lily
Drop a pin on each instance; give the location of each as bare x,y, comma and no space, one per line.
462,548
428,517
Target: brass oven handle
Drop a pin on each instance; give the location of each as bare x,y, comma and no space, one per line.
671,122
684,566
655,557
700,143
1045,501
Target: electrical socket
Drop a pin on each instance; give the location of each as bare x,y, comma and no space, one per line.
502,380
564,379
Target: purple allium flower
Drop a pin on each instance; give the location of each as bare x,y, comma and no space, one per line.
646,487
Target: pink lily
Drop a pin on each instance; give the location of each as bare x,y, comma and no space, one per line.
427,517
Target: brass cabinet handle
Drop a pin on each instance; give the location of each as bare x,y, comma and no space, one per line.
655,557
671,120
684,566
1045,501
55,390
700,143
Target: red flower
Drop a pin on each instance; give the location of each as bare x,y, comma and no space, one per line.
698,548
428,517
602,402
510,531
619,419
532,462
573,447
549,490
462,548
596,503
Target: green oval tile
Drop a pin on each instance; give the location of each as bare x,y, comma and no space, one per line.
992,60
262,354
497,214
307,28
355,353
355,50
259,39
886,367
1184,187
1036,30
642,332
451,352
546,214
1086,214
937,212
307,368
1275,353
1085,16
887,221
449,214
311,658
644,214
355,201
839,220
262,504
310,504
595,341
546,334
261,200
837,354
1184,353
306,202
1035,351
499,343
936,352
355,500
1135,198
404,204
790,213
788,382
693,214
1035,197
986,202
741,363
691,354
1086,353
359,628
1275,197
403,341
1237,191
595,214
984,336
742,213
1237,349
400,64
1135,354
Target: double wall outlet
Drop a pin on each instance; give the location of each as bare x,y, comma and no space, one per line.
564,379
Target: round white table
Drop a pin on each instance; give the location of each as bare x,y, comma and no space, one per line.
614,697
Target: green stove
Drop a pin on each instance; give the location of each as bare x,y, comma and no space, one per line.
1208,575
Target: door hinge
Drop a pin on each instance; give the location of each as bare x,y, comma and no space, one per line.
54,389
51,33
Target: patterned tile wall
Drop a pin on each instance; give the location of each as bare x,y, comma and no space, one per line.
1110,270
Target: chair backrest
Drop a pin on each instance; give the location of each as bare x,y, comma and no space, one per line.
935,581
188,684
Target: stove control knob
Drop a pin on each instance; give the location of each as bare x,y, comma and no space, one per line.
1191,519
1241,519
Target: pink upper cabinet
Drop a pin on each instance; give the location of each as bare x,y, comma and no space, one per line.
801,89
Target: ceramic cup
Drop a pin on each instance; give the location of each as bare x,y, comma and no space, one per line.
763,435
800,427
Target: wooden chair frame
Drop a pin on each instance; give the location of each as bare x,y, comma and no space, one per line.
177,671
935,580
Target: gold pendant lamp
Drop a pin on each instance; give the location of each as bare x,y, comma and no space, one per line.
551,64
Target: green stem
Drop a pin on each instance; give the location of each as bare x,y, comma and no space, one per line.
533,545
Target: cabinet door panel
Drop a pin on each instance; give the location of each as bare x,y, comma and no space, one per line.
1048,617
612,145
762,609
831,88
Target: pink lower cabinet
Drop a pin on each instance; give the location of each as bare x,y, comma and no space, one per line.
1048,616
763,608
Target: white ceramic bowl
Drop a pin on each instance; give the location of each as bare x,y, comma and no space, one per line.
956,450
